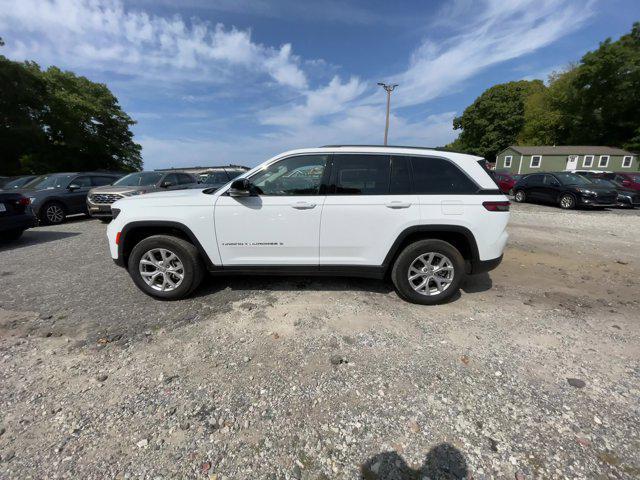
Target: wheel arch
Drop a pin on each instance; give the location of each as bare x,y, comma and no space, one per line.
460,237
134,232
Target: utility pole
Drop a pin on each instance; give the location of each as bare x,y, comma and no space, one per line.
388,88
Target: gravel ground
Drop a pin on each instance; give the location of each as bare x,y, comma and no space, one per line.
532,372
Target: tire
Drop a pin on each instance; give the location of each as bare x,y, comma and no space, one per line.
410,258
52,213
11,235
520,196
184,253
567,201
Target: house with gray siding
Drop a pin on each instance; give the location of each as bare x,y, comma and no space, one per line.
520,160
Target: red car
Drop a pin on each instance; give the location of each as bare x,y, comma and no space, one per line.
506,181
630,180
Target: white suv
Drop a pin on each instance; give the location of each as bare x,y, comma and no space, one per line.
426,218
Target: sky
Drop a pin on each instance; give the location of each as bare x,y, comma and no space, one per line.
214,82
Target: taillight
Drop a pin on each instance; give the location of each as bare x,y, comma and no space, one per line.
497,206
24,201
118,238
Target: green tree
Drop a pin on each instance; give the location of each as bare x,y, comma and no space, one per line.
602,105
494,120
54,120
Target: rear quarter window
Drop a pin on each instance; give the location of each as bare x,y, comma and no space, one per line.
437,176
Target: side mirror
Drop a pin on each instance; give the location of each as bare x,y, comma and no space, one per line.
73,187
241,188
166,184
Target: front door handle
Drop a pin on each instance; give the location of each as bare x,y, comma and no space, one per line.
303,205
397,204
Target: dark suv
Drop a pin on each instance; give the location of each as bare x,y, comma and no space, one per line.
55,196
99,200
568,190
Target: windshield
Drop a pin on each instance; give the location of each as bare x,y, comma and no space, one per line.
572,179
604,183
139,179
17,183
49,181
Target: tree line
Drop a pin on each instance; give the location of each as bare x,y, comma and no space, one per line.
53,120
593,102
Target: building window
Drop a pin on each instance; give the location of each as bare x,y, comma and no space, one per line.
604,161
507,161
626,161
536,161
588,161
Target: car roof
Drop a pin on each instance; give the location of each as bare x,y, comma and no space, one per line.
389,149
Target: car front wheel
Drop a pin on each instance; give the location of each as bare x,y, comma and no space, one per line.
520,196
567,201
165,267
52,213
428,272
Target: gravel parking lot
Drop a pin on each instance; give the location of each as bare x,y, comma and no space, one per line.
532,372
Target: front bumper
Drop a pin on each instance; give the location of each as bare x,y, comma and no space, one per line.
482,266
99,211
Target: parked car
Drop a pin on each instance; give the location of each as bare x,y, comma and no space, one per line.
627,197
216,177
506,182
99,200
629,180
425,217
566,189
16,215
55,196
15,183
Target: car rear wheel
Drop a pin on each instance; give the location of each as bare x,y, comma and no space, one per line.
428,272
52,213
165,267
520,196
567,201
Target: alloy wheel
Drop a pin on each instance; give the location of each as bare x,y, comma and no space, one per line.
54,214
566,201
161,269
431,273
519,196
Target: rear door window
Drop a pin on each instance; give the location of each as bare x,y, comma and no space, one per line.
171,178
184,179
360,175
437,176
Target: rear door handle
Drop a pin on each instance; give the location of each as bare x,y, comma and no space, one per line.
303,205
397,204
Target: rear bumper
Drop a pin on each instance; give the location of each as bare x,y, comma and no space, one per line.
483,266
17,222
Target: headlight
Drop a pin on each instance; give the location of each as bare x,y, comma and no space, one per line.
135,192
586,192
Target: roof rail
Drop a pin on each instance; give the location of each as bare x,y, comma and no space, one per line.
437,149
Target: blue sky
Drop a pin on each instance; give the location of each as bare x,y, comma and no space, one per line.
235,81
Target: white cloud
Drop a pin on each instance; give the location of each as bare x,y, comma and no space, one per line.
89,32
105,35
504,30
